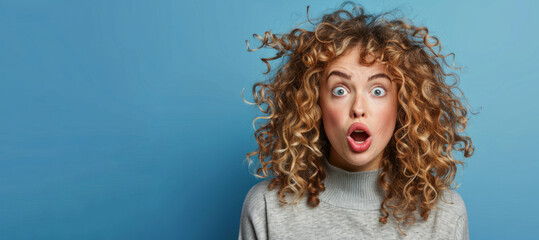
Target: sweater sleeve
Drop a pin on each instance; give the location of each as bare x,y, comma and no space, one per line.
253,223
462,229
461,232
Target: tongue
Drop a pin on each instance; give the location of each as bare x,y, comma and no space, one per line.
359,136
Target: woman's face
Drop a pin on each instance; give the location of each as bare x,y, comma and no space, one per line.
359,111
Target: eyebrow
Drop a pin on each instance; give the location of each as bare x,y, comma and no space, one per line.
347,77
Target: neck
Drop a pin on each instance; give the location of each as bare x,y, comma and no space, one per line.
336,160
354,190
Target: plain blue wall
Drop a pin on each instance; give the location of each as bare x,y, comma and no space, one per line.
124,119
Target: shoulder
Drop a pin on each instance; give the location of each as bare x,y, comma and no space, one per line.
256,197
259,190
253,223
451,201
451,215
454,204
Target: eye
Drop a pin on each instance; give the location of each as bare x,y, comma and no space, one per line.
378,91
339,91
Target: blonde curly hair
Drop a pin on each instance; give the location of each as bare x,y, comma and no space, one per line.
418,163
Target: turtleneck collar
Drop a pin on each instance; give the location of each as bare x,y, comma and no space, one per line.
354,190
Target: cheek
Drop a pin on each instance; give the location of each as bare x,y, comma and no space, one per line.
332,117
387,118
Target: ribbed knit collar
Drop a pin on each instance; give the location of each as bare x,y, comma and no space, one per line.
354,190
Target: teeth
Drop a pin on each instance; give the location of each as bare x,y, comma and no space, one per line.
359,130
359,141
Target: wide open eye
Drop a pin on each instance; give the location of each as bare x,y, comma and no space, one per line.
378,91
339,91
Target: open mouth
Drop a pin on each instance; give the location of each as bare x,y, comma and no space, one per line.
359,136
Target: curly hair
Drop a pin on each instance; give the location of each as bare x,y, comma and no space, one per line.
418,163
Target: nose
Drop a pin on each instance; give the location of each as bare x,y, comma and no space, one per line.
358,107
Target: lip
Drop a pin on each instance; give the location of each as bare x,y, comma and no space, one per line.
359,147
360,126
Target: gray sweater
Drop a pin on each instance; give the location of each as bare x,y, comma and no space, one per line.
349,209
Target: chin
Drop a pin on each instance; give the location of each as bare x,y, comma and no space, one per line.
360,163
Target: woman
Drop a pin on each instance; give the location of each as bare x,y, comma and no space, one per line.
361,131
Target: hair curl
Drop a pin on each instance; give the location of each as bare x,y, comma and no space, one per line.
418,163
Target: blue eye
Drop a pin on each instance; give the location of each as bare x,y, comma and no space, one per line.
339,91
378,91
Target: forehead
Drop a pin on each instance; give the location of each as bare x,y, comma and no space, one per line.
350,61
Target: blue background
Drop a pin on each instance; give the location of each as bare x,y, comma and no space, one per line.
124,119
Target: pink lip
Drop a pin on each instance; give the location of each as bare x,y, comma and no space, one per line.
359,147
